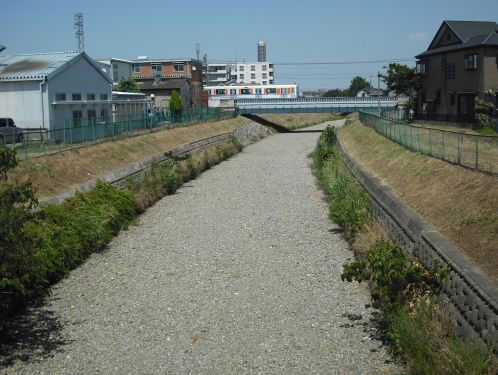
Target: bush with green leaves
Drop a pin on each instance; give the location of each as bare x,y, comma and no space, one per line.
38,247
21,273
349,202
394,277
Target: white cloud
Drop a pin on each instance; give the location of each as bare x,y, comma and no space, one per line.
418,36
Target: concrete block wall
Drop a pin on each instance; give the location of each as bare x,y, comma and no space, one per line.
469,296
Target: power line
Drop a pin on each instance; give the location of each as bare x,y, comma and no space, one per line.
353,62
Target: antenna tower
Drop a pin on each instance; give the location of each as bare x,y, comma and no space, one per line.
198,50
79,34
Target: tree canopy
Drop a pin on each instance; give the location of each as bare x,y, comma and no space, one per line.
357,84
402,79
334,93
128,85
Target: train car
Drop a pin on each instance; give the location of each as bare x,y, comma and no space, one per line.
252,92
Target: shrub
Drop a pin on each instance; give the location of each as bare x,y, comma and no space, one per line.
394,277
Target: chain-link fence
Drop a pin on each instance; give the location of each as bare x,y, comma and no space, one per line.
76,132
471,151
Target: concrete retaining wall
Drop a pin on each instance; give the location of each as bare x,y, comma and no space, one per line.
469,295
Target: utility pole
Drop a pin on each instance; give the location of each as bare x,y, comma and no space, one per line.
378,91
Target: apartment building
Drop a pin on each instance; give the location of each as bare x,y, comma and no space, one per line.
252,73
154,74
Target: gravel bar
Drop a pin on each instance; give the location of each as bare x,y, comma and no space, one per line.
236,273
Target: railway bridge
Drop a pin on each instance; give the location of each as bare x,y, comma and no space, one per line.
314,105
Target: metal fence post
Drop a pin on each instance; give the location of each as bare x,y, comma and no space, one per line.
477,154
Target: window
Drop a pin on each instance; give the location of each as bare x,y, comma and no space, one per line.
115,74
90,96
449,71
60,96
253,82
263,68
135,68
245,91
253,75
91,114
103,96
421,68
220,91
77,115
264,82
241,68
253,68
178,67
76,96
233,91
264,75
103,114
470,61
452,99
242,77
258,91
156,68
271,82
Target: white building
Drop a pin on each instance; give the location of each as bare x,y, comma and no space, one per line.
218,74
116,69
252,73
45,90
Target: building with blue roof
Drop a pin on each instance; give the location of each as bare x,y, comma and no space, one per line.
45,90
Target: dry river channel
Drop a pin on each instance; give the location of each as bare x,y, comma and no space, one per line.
236,273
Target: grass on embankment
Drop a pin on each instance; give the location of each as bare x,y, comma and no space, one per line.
39,247
301,120
417,329
462,204
56,173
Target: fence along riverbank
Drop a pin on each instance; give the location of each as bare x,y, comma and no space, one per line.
477,152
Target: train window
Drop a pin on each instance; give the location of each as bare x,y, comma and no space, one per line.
258,91
245,91
233,91
220,91
270,90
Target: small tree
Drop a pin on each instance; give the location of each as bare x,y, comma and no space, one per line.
128,85
175,105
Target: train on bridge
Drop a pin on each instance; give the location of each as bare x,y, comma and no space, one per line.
224,96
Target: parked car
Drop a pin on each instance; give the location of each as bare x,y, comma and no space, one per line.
9,132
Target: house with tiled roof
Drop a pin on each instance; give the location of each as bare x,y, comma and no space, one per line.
460,64
45,90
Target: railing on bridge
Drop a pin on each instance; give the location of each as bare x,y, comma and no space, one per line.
305,105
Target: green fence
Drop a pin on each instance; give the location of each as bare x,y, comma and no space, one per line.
77,132
471,151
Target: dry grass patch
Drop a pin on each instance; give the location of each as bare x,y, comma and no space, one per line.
301,120
462,204
53,174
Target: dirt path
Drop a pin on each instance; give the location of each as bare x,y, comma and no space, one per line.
239,272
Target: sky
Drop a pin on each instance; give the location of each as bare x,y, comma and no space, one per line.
311,31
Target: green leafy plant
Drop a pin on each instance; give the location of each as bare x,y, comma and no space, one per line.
395,277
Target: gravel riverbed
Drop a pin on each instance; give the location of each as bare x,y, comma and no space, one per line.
236,273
